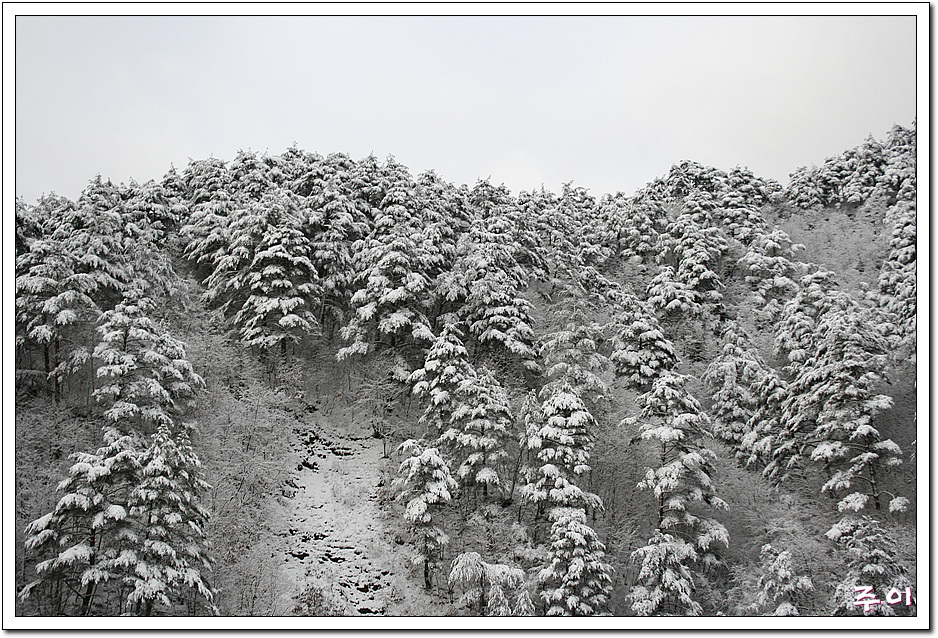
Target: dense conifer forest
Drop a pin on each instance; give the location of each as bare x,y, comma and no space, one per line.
303,385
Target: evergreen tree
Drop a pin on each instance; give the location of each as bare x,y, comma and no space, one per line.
768,266
579,209
639,349
486,290
552,236
631,225
574,355
81,265
211,204
480,428
780,586
445,368
28,225
268,281
147,211
829,412
897,279
672,420
302,173
667,293
147,380
88,541
249,176
803,189
334,223
666,577
93,232
173,552
54,308
796,328
733,375
444,217
873,562
430,485
176,198
559,443
577,581
838,385
394,290
899,180
694,246
764,425
493,589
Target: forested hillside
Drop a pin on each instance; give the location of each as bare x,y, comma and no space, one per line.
296,384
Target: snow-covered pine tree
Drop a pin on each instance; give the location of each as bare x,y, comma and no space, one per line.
743,188
479,432
148,214
666,577
671,418
486,291
764,426
445,368
803,189
781,589
93,232
687,176
581,213
210,207
88,542
769,268
491,588
694,246
80,265
796,328
249,176
559,442
268,281
897,279
515,218
837,390
867,168
28,222
575,355
146,378
53,309
732,376
872,562
577,581
829,411
430,486
302,173
552,235
899,180
170,565
394,292
332,225
702,208
639,349
444,216
671,296
176,198
147,210
630,225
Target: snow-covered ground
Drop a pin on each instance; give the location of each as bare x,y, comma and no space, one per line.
335,538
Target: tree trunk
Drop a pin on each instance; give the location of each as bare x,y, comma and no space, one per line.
88,596
427,581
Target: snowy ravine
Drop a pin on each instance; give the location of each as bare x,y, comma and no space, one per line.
335,538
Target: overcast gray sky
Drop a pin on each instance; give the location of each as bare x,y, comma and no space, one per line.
605,102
